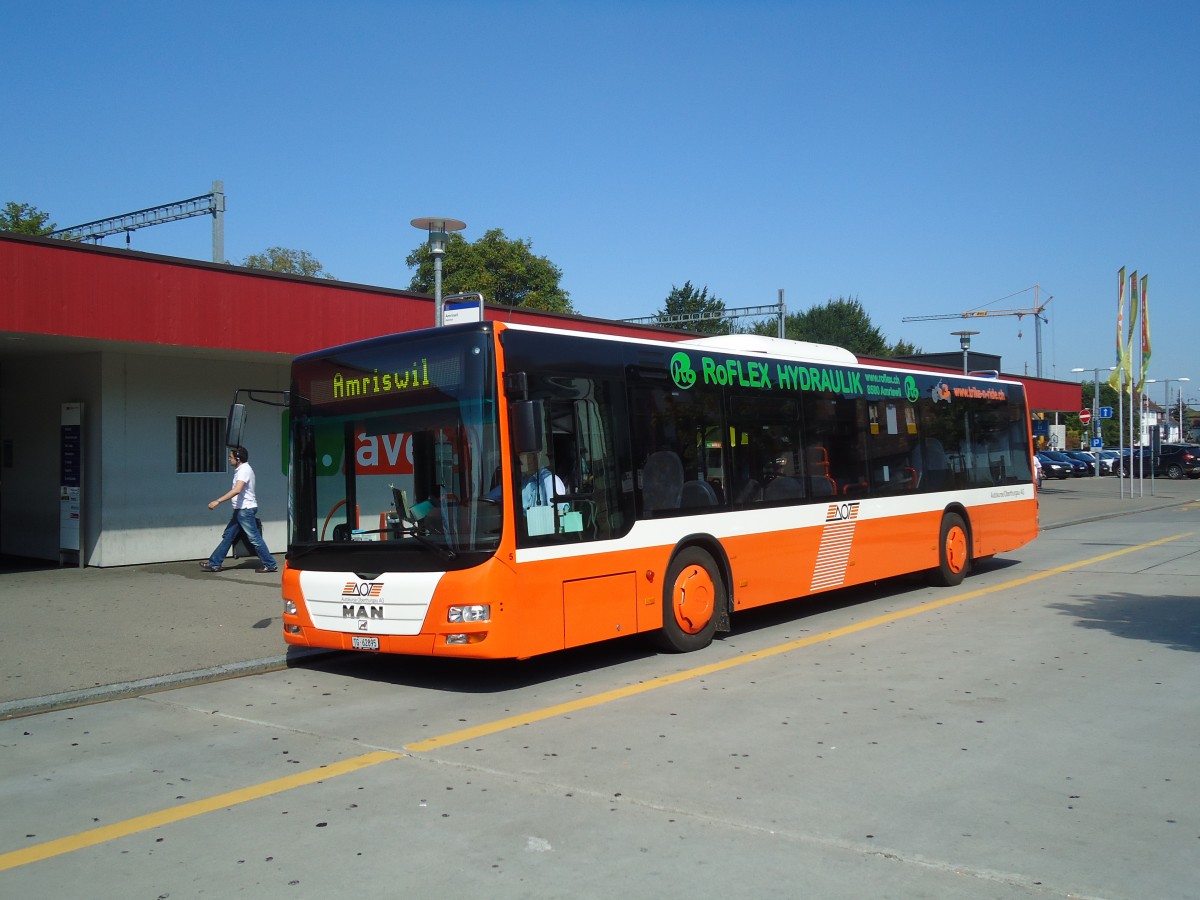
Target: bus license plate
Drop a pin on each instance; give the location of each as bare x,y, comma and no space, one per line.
364,643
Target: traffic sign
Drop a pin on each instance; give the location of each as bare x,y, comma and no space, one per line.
1097,443
1106,412
1085,416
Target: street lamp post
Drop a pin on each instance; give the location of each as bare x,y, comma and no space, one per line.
964,341
1096,430
438,229
1166,382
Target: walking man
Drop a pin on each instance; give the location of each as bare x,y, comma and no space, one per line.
244,518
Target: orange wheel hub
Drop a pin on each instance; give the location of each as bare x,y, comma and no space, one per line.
956,549
692,598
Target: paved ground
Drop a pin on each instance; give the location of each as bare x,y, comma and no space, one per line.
83,635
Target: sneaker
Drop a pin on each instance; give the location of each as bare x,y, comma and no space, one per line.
207,568
263,570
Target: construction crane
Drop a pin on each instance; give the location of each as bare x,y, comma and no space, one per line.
1036,311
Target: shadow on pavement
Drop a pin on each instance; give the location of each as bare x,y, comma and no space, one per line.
1173,622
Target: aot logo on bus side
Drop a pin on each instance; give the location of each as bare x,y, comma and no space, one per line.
841,512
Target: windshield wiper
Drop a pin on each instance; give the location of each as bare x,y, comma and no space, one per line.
426,542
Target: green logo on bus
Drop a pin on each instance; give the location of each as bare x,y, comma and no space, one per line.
910,389
682,372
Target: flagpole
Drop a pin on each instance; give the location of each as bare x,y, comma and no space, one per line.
1121,438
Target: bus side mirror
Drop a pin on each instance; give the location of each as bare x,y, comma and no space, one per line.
526,421
234,423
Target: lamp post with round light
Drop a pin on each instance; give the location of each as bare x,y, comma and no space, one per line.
438,229
964,341
1166,383
1096,431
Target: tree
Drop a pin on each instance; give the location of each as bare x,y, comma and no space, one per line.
503,270
903,348
687,300
24,219
289,262
842,323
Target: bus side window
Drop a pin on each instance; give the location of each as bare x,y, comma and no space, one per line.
674,436
764,450
583,456
847,445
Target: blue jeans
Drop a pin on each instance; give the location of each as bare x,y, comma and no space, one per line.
243,519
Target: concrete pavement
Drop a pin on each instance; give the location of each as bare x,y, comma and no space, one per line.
75,636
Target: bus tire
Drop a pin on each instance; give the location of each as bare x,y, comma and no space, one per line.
954,551
693,595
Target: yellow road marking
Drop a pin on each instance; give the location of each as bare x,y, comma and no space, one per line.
538,715
187,810
137,824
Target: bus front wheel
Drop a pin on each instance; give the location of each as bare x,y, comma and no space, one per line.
954,551
693,593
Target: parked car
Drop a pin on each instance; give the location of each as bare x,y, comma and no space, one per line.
1077,468
1084,457
1109,462
1178,461
1052,468
1173,461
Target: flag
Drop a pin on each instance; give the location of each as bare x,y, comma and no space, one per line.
1145,331
1133,320
1117,378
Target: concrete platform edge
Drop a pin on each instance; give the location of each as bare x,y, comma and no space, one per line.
16,708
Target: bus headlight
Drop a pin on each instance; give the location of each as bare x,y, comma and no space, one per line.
479,612
289,607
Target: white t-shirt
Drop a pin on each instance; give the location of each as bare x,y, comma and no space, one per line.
246,499
539,489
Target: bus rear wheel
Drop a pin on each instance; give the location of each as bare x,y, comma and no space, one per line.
693,593
954,551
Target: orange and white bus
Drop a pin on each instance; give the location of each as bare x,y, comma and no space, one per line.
689,481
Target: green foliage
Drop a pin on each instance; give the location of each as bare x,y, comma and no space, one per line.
1109,428
503,270
842,323
903,348
687,300
23,218
289,262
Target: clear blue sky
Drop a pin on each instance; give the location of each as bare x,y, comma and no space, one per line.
924,157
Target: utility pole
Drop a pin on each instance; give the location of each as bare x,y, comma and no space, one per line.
777,310
206,204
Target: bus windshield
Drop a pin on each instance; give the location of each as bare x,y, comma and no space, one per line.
395,449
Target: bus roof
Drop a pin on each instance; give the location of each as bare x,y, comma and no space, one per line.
743,344
761,345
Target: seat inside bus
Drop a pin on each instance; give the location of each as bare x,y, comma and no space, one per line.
662,480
